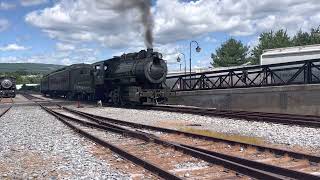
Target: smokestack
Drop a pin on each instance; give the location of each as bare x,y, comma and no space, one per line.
144,6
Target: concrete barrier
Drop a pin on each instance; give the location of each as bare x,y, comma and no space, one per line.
294,99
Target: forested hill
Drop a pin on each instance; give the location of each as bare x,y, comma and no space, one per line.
33,68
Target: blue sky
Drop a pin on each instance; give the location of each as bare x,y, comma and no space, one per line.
77,31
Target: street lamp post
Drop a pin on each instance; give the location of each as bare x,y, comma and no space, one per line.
185,68
198,49
179,61
185,64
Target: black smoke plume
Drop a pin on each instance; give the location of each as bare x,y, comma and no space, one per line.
144,6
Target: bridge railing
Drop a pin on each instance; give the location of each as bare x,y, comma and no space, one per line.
298,72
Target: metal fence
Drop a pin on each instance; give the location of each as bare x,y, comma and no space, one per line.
300,72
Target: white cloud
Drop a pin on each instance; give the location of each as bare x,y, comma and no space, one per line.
13,47
170,52
66,61
87,21
210,39
98,20
65,47
4,24
32,2
178,20
56,57
6,6
7,59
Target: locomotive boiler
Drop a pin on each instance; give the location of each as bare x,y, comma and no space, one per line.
7,87
133,77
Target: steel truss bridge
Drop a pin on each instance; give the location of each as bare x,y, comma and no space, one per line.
299,72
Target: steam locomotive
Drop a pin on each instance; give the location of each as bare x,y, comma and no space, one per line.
7,87
130,78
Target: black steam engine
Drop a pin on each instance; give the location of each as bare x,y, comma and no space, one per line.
134,77
7,87
130,78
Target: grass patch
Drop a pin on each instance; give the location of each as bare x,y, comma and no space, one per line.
232,137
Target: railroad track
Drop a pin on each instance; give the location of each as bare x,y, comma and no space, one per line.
194,135
241,165
287,119
32,98
290,119
6,101
5,111
251,160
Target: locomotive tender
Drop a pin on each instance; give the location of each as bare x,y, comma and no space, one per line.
7,87
130,78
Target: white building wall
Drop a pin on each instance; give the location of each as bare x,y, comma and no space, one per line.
298,53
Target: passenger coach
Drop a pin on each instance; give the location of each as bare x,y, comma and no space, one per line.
72,82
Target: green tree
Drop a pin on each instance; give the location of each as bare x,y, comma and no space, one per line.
315,35
270,40
306,38
231,53
301,38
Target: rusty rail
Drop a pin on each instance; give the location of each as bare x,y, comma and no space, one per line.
243,166
277,151
301,120
5,111
145,164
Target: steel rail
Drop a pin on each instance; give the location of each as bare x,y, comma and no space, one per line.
241,165
144,163
5,111
283,115
31,97
265,114
176,146
308,121
277,151
274,118
272,168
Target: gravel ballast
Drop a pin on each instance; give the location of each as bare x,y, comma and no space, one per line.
270,132
33,144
